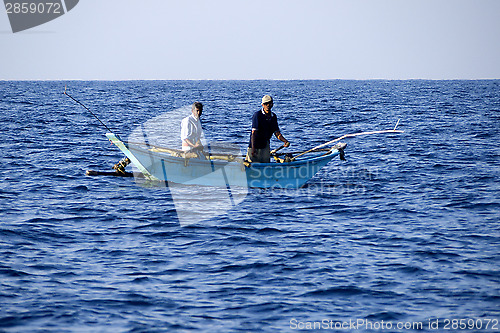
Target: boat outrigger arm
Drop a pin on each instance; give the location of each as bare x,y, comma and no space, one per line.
348,136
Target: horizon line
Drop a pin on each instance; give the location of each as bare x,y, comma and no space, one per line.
337,79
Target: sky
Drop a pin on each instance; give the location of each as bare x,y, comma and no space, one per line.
258,39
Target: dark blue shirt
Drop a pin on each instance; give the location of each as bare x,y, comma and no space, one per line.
266,126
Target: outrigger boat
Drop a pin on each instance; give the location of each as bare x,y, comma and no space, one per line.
224,170
227,170
211,168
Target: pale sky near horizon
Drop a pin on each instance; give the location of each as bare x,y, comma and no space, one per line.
258,39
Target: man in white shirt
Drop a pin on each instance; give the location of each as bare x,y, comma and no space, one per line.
191,129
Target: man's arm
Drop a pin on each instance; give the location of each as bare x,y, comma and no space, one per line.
191,144
280,137
252,139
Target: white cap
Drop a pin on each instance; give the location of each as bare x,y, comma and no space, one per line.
266,99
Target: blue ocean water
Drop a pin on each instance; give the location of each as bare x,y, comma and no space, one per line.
406,231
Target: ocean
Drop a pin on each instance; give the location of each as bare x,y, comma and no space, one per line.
402,236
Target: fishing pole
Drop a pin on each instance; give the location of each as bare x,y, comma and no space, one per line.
92,113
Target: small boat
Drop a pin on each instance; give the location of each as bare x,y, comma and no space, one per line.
212,168
219,169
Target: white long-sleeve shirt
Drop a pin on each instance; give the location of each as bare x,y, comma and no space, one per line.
190,130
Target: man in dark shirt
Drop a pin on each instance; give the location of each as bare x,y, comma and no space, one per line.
264,125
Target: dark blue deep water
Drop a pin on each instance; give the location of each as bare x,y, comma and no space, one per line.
405,231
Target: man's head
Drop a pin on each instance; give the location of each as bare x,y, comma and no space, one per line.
267,103
197,109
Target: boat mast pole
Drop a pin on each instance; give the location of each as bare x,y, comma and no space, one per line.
92,113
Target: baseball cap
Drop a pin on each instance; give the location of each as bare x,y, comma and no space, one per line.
266,99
